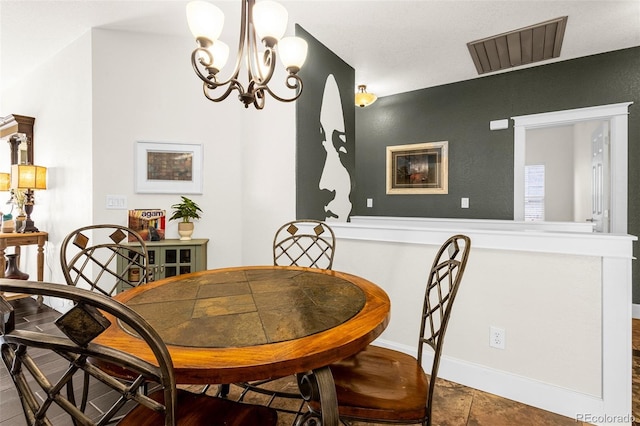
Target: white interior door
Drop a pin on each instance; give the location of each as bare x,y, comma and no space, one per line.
617,117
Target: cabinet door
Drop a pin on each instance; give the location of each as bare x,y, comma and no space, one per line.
177,261
153,263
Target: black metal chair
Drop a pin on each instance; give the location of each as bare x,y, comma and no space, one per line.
26,355
380,385
98,257
305,242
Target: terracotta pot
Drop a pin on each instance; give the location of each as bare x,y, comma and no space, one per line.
185,229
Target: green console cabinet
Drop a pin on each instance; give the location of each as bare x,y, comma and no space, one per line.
168,258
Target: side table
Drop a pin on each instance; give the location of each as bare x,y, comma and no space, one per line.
15,239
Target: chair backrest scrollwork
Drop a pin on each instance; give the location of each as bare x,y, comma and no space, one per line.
308,242
105,258
70,338
444,280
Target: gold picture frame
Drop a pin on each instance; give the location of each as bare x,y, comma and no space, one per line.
421,168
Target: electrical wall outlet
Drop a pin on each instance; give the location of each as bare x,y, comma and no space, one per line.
497,337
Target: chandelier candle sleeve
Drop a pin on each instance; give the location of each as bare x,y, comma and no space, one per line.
264,23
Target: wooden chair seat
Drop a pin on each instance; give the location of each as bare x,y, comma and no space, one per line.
380,383
197,410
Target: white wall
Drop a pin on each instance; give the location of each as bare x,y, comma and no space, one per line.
145,90
553,147
269,191
563,299
58,94
110,89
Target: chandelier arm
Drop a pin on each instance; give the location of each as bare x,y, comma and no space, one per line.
260,70
231,86
233,80
269,54
255,71
247,6
209,80
259,99
195,61
296,85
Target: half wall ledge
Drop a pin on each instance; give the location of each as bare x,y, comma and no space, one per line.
561,292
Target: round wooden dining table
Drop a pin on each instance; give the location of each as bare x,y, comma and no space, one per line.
257,322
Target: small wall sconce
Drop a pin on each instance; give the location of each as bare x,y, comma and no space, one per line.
28,177
363,98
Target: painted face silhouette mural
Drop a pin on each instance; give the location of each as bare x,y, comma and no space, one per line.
325,136
335,177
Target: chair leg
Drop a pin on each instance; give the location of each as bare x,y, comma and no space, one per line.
223,391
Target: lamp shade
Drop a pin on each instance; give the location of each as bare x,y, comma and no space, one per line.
5,181
364,98
27,176
205,20
215,56
270,19
220,52
293,52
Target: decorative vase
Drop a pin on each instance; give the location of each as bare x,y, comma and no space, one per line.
12,270
21,222
185,229
8,224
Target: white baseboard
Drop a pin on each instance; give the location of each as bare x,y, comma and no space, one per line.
528,391
635,311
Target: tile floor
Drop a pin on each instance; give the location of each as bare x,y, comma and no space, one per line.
454,405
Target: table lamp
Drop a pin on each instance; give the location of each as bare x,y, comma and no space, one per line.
5,181
28,177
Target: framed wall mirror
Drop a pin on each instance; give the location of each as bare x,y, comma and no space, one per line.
17,131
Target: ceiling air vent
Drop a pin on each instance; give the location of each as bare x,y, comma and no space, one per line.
519,47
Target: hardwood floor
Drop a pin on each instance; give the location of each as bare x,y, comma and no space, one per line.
454,405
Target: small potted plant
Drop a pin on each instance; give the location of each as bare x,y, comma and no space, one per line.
186,210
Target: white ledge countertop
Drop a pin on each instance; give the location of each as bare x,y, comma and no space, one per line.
549,237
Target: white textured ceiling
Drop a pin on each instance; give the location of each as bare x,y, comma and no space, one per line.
395,46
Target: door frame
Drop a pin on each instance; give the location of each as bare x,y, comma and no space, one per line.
617,115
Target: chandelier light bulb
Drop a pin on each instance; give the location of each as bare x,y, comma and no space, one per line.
270,21
293,53
205,21
220,52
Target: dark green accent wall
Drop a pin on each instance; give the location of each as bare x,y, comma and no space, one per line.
481,160
310,154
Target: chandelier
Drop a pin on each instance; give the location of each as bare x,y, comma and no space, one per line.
265,20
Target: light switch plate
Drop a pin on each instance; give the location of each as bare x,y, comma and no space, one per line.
116,202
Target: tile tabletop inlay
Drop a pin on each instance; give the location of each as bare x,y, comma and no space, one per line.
247,308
